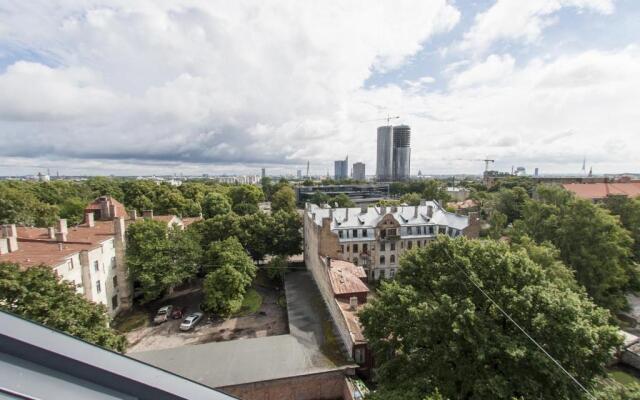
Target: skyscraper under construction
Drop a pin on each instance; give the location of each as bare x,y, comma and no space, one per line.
394,153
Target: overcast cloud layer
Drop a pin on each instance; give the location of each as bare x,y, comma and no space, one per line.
137,87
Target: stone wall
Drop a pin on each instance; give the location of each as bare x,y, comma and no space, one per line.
330,385
313,235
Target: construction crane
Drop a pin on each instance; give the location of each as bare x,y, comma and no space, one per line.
486,163
388,119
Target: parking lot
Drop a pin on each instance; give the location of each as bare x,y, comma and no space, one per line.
269,320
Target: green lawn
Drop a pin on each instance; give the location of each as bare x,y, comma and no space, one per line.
130,320
623,377
250,304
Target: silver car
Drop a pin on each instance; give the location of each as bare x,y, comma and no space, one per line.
190,321
163,314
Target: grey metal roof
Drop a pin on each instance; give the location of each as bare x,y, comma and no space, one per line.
39,362
347,218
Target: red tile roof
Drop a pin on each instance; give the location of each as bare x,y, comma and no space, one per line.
346,278
35,247
595,191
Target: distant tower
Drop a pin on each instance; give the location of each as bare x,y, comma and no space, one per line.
341,169
264,172
308,168
384,160
536,172
299,174
359,171
401,152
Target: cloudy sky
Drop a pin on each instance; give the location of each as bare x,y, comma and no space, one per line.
154,86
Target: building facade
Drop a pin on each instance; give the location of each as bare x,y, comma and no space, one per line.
90,255
384,159
359,173
341,169
401,152
376,237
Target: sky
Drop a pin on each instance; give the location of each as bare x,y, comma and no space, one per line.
188,87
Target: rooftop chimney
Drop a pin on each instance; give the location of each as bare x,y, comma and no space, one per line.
147,213
62,226
61,237
89,219
415,212
52,232
10,232
363,209
133,214
353,303
383,210
429,211
346,214
394,209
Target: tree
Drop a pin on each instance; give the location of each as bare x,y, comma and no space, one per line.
319,198
629,212
218,228
255,232
497,222
159,259
590,240
37,294
284,200
411,199
510,202
432,328
215,204
224,290
342,200
245,198
286,233
277,268
73,210
230,252
18,206
435,190
103,186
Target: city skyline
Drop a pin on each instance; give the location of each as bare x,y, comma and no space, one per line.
139,88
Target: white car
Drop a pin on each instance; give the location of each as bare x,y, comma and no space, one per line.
190,321
163,314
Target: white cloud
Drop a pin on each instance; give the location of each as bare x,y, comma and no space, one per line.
199,81
522,20
496,68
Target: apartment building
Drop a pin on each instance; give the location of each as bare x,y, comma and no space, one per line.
89,255
376,237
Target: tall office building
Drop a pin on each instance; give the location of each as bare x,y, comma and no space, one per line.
299,174
359,171
384,161
401,153
341,169
264,172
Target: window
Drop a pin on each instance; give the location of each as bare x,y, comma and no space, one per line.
98,288
409,244
431,230
393,246
355,248
341,248
348,248
409,231
115,281
114,302
96,266
359,355
418,243
340,234
365,248
382,260
392,259
364,233
354,233
113,262
382,246
393,272
391,232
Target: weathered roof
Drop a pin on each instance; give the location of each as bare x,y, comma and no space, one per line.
592,191
35,247
119,207
347,218
190,220
353,322
346,277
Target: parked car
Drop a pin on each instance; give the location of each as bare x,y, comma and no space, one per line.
191,321
163,314
178,312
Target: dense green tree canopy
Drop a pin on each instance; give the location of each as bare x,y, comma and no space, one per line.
510,202
590,240
411,199
37,294
432,328
215,204
629,212
284,200
224,290
245,198
158,258
342,200
229,252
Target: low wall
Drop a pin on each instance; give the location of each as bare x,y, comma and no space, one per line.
322,386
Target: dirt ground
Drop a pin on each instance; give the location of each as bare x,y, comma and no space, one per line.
270,320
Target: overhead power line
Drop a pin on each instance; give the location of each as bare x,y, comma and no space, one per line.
546,353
